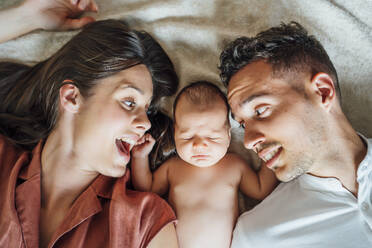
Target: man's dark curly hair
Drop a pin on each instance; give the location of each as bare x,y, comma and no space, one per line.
287,48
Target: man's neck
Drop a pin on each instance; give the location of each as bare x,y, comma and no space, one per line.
346,151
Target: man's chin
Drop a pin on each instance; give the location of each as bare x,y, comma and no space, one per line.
285,175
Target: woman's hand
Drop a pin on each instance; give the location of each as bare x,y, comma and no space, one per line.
44,14
60,14
143,147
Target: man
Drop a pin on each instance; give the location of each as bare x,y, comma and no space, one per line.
283,89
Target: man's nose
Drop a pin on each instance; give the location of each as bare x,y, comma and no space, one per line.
252,138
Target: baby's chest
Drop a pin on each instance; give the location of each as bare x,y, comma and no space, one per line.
199,192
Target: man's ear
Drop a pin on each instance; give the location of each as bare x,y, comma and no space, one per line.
70,97
323,86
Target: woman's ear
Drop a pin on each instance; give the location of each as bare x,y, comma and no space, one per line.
323,87
70,97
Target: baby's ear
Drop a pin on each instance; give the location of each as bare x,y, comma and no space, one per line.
70,97
229,132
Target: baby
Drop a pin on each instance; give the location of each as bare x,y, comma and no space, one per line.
203,180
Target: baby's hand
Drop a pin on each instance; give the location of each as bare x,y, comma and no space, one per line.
143,146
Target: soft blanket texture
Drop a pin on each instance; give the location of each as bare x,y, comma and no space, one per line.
194,32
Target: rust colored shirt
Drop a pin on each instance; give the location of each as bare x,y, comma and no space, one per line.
106,214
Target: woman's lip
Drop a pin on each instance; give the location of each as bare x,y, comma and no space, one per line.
271,163
123,150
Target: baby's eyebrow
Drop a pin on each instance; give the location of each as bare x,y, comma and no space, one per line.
183,131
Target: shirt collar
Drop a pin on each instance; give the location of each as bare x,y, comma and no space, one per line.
34,167
333,184
365,167
102,185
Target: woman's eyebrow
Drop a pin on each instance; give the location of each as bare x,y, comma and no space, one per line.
129,86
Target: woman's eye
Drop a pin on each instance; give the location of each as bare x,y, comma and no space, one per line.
242,125
129,103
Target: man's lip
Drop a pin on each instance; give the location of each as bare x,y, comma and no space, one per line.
264,152
271,163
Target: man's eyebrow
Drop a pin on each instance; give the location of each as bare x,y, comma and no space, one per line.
252,97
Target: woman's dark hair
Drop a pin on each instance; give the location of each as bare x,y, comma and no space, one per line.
287,48
29,95
162,131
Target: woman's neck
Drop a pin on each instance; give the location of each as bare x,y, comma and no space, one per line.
63,178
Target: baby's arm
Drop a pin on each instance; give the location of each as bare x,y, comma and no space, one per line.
142,178
259,184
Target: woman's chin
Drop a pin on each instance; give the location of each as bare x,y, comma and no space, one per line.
115,172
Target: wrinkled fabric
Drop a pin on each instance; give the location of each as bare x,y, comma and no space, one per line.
106,214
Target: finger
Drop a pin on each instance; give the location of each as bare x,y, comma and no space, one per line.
150,139
141,140
83,4
92,6
148,136
77,23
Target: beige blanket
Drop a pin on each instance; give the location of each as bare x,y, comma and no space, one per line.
194,32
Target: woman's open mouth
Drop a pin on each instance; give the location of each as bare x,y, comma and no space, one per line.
123,147
123,150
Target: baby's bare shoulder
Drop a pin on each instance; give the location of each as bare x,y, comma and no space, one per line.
234,158
172,162
237,162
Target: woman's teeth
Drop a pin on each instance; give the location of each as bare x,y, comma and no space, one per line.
128,141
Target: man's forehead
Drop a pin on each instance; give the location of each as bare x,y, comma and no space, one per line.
250,74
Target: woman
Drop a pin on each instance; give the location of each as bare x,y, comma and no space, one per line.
81,112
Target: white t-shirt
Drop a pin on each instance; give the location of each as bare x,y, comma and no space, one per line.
311,212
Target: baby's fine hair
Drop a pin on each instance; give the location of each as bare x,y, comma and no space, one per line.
202,94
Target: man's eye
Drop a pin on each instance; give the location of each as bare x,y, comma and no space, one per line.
262,111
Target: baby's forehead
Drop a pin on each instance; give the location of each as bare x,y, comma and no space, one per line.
202,121
201,129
